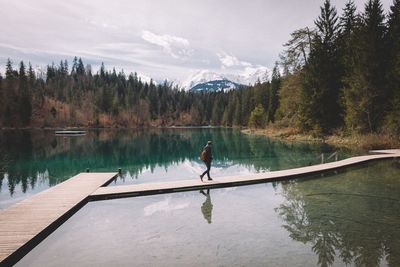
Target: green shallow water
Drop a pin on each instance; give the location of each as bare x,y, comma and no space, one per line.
32,161
350,218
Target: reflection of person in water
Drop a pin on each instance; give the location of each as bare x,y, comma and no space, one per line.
206,156
207,206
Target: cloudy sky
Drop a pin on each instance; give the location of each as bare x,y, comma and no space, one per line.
157,38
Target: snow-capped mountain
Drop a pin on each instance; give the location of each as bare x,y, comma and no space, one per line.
216,86
248,77
199,77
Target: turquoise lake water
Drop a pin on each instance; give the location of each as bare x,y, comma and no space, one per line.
32,161
350,218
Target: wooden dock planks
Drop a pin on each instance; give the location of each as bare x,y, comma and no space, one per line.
185,185
25,224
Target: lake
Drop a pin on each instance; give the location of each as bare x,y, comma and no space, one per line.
348,219
34,160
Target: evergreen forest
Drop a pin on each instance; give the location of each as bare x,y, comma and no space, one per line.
341,75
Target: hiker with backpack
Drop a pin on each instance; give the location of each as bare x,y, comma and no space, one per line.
206,157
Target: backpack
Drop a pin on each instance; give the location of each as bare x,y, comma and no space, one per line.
203,155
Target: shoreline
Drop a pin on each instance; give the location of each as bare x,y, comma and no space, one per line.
363,142
111,127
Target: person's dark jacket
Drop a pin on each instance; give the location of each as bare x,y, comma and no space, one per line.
208,154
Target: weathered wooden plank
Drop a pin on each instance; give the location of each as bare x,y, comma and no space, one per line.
165,187
25,224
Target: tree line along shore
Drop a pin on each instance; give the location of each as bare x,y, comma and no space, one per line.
360,142
338,79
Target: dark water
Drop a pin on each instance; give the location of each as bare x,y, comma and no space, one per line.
32,161
351,218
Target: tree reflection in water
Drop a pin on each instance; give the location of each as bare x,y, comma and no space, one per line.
23,154
352,216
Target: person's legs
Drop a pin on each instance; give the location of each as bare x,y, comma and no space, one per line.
201,176
208,164
204,173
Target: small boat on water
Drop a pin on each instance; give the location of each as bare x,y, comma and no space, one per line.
70,132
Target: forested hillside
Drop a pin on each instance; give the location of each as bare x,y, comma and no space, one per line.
345,73
341,75
77,97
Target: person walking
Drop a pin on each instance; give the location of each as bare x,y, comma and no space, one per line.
206,157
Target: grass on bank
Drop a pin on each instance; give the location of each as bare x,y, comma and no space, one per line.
358,141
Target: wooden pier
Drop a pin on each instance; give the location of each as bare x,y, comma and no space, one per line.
27,223
193,184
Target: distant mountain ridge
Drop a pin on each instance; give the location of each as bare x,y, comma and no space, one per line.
216,86
200,77
203,77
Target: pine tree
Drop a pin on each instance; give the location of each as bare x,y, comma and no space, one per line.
247,104
227,116
66,71
393,70
102,71
10,88
349,22
274,93
31,73
74,66
217,111
51,72
80,69
1,100
364,92
348,19
237,116
320,109
327,24
25,100
106,99
9,70
61,69
22,72
261,94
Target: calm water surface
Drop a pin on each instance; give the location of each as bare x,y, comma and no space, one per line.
351,218
32,161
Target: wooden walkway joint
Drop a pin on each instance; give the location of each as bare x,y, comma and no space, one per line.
28,222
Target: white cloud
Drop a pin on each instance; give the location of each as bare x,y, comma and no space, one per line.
102,24
175,46
228,60
241,71
256,73
254,70
165,205
112,32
